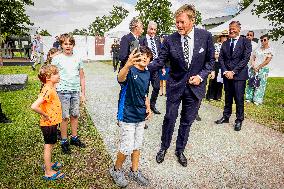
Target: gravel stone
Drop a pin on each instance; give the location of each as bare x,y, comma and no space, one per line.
218,156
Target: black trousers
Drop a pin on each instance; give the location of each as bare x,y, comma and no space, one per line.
214,90
234,90
115,61
190,106
155,82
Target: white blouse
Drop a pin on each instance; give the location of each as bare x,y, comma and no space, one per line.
262,54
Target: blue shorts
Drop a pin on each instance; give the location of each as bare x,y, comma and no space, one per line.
70,103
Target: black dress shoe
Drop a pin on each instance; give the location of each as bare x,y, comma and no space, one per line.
181,159
146,126
222,120
155,111
161,156
198,118
238,126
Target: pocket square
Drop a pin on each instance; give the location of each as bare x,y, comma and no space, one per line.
201,50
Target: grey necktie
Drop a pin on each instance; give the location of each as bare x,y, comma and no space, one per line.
186,50
153,48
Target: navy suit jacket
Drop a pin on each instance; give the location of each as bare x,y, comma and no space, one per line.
201,63
144,42
239,59
124,50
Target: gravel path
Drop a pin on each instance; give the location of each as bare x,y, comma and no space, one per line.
218,157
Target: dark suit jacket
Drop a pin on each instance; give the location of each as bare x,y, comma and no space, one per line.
124,50
201,63
239,59
143,42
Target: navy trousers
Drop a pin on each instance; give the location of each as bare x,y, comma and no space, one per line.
155,82
234,90
190,106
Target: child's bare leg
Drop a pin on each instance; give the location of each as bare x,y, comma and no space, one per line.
63,128
135,160
74,125
47,160
164,86
161,88
120,158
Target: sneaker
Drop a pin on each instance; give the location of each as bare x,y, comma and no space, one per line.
118,177
77,142
248,101
138,177
65,148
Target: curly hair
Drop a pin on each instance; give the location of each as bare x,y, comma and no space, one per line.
46,71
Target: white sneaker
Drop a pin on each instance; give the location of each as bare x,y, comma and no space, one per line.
118,177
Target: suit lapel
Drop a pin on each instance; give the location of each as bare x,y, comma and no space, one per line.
196,46
178,46
237,46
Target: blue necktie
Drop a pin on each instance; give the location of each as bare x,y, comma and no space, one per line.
153,48
186,50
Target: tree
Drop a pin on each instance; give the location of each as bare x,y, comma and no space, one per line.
244,4
80,32
44,33
103,24
273,11
13,19
157,11
198,19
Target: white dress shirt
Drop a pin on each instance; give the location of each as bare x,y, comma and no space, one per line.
190,43
149,43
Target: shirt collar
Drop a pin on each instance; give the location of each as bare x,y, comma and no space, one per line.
190,34
236,38
148,37
136,37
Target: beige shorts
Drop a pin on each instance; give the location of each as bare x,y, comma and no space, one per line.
131,137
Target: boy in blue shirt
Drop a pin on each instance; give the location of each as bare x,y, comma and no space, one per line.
133,110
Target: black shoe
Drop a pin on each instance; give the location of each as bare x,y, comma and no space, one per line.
222,120
198,118
65,148
238,126
4,119
146,126
181,158
77,142
161,156
155,111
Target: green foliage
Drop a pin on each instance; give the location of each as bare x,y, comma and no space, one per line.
44,33
21,145
103,24
80,32
198,19
271,112
13,19
273,11
244,4
158,11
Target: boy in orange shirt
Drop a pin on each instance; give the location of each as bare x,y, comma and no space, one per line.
49,107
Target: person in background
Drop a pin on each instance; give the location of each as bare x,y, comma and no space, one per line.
51,53
154,43
115,54
37,51
215,87
56,44
260,59
234,57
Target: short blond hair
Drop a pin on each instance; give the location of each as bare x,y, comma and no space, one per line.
188,9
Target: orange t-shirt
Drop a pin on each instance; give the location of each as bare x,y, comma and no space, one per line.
51,106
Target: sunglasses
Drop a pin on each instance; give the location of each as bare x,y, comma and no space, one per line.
263,40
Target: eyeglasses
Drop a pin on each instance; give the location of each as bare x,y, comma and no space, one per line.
263,40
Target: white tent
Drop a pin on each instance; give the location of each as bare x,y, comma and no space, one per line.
260,26
123,28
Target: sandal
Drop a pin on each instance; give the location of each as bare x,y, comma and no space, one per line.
55,166
54,176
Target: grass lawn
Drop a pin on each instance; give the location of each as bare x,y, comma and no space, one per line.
21,145
271,112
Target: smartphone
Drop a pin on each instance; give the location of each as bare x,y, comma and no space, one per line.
135,44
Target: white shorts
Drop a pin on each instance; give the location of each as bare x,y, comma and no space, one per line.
131,137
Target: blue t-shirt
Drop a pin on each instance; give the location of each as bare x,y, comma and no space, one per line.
131,104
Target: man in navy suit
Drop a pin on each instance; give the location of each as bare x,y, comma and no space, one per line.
191,55
234,57
154,44
136,30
